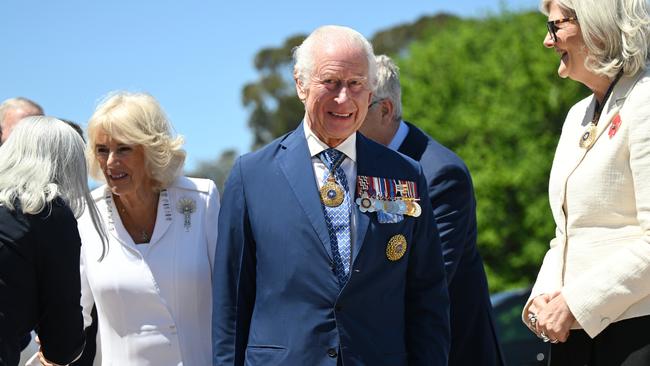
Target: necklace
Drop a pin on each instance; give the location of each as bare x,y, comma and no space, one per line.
144,235
589,136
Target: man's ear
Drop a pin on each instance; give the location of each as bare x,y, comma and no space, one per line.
387,108
300,89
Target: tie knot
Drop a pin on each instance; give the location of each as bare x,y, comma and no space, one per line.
330,157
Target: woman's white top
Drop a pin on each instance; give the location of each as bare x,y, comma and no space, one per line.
154,305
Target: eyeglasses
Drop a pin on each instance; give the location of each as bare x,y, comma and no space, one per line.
354,85
375,102
551,25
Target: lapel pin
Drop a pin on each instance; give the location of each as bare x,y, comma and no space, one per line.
186,206
613,128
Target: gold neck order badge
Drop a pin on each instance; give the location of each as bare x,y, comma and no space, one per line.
589,136
331,193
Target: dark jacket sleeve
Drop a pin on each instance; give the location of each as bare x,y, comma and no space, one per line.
60,324
234,275
453,202
427,300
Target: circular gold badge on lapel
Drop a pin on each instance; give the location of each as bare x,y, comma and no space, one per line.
589,136
396,247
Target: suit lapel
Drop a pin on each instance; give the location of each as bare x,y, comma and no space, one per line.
164,216
295,162
614,105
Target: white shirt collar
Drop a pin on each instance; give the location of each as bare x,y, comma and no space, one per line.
316,146
399,137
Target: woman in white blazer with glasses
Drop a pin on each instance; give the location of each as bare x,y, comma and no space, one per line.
591,299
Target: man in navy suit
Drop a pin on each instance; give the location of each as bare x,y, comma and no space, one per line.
473,336
326,255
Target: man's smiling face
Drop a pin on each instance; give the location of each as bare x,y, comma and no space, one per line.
337,97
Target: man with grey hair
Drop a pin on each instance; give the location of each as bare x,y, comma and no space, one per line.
449,186
12,111
326,255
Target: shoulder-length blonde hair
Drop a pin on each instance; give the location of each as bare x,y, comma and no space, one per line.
138,119
616,33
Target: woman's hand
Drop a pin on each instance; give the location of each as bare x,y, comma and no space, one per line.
554,319
538,303
41,358
44,361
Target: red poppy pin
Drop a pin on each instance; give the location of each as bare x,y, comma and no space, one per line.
613,128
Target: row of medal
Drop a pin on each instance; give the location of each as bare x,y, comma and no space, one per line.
393,196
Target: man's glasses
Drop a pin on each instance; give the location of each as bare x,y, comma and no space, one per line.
552,26
375,102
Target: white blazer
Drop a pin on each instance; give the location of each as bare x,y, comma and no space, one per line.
600,199
154,305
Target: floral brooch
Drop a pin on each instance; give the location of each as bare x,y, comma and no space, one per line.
187,207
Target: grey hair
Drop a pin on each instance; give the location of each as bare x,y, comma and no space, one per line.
616,33
42,160
17,103
138,119
388,84
303,55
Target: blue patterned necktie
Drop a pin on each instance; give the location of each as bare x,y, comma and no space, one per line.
338,218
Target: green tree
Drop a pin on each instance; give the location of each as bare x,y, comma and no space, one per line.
274,107
396,39
489,91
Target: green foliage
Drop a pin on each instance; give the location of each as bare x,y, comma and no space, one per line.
489,90
274,107
397,38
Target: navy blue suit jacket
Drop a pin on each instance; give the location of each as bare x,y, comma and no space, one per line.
276,297
473,336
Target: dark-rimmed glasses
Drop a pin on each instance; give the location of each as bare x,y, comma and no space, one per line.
375,102
551,25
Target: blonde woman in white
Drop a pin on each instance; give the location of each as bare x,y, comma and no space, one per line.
153,288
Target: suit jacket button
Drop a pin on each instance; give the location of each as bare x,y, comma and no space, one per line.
331,352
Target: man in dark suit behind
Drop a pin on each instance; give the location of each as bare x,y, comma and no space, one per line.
473,337
324,255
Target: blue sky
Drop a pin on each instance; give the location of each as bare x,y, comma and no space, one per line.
194,56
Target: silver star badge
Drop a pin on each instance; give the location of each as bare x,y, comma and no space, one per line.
187,207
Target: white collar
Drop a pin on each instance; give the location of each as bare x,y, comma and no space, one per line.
316,146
